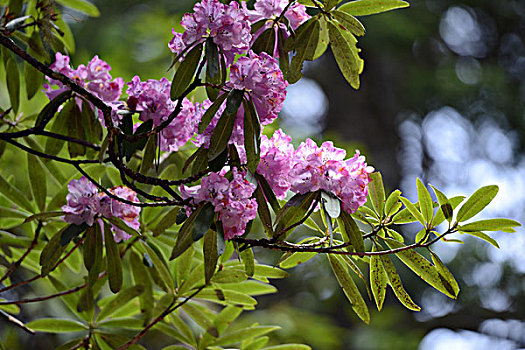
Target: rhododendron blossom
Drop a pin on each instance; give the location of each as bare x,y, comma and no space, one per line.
228,25
151,98
94,78
231,200
324,168
276,162
85,204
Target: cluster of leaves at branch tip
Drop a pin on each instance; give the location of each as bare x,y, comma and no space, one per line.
168,194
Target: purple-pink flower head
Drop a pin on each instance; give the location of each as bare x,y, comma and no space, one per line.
262,78
95,78
277,156
271,9
324,168
151,98
127,212
231,200
181,129
228,25
83,203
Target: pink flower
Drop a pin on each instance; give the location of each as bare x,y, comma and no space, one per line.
276,162
324,168
231,200
83,203
226,24
181,129
127,212
151,98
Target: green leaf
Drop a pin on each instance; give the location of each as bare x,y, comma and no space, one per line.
392,203
445,273
376,191
483,236
86,301
60,124
263,211
201,318
54,325
425,202
248,261
210,112
114,266
346,53
349,22
449,206
243,334
422,267
83,6
268,193
120,300
209,250
203,221
306,42
329,4
265,42
489,225
212,60
167,221
476,202
288,347
369,7
413,210
397,286
226,317
37,180
76,129
250,287
332,205
51,253
351,231
160,264
90,241
293,211
148,156
13,83
324,39
71,232
296,259
223,130
34,80
252,135
349,287
185,73
184,238
141,277
121,224
378,279
14,195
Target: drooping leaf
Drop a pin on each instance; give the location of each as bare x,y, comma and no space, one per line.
37,180
121,224
248,261
346,53
349,22
51,253
203,221
369,7
13,84
83,6
185,236
376,191
263,211
349,287
209,250
425,202
489,225
114,265
55,325
120,300
476,202
483,236
186,72
14,195
305,46
212,61
397,286
210,112
378,279
76,129
71,232
444,272
168,220
351,231
252,135
148,157
265,42
160,264
293,211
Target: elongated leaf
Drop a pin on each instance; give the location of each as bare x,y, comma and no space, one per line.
305,47
352,232
55,325
121,224
210,112
349,22
376,192
378,279
120,300
369,7
332,204
288,347
212,61
349,287
248,261
346,53
268,193
223,130
422,267
392,203
14,195
184,238
210,255
489,225
51,253
425,202
37,180
324,39
263,211
203,221
60,124
90,246
34,80
445,273
114,266
293,211
185,73
71,232
397,286
168,220
265,42
252,136
13,84
76,128
476,202
243,334
141,277
413,210
148,156
483,236
83,6
160,264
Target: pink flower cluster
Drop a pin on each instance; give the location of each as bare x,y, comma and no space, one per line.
85,204
231,199
324,168
262,78
227,24
277,156
94,78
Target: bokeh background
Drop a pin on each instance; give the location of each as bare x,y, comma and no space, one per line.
442,98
